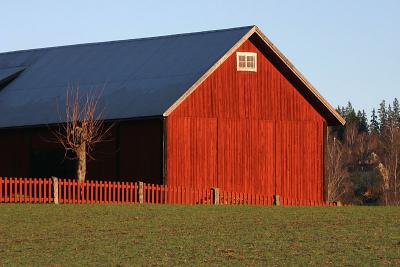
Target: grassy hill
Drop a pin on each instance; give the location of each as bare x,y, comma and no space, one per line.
126,235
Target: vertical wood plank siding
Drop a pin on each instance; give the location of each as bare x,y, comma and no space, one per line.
247,132
193,143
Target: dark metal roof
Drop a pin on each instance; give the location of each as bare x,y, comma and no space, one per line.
8,74
138,78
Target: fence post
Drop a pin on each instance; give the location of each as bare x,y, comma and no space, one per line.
216,195
140,192
277,201
55,189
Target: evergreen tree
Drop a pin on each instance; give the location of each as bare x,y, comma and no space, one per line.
362,121
396,112
338,130
339,110
349,108
383,117
350,114
390,116
374,124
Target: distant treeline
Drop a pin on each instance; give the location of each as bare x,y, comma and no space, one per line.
363,157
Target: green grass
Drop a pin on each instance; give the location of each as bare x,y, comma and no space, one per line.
126,235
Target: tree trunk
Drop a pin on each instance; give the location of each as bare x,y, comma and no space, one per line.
395,175
81,169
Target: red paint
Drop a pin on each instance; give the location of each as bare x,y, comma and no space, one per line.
249,132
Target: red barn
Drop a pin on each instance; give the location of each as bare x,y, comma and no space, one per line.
211,109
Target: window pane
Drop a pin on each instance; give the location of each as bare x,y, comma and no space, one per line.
246,61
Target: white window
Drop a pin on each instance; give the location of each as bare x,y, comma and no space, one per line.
246,61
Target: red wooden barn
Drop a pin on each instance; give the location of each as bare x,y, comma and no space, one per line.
210,109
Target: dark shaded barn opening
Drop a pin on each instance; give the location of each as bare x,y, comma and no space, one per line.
51,162
132,151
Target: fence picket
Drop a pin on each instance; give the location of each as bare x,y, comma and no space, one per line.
108,192
91,197
34,190
12,189
1,190
64,189
105,192
101,192
50,192
61,191
10,193
130,192
5,190
96,196
117,185
40,185
73,185
123,188
16,195
45,195
69,191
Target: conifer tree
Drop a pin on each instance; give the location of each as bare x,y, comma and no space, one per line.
390,115
396,112
350,114
374,124
383,116
362,121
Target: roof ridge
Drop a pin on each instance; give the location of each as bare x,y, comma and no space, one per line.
125,40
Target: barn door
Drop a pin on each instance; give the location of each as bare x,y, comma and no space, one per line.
191,152
246,156
299,160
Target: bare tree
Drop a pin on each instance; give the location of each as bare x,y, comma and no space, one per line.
350,134
83,128
335,169
390,144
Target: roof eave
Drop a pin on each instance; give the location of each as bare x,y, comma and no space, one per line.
313,90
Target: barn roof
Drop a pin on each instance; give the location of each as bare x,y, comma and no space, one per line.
137,78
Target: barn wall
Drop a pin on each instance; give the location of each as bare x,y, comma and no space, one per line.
268,137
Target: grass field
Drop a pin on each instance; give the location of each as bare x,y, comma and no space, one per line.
124,235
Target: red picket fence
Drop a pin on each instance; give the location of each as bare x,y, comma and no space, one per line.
165,194
299,202
26,190
34,190
236,198
91,192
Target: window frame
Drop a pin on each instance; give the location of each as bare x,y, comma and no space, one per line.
246,55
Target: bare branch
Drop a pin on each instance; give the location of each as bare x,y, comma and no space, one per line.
83,127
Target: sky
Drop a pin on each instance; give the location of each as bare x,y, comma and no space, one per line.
349,50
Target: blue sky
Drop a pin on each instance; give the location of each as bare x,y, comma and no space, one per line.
349,50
